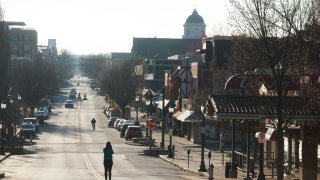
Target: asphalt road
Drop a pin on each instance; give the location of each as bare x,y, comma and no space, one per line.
68,148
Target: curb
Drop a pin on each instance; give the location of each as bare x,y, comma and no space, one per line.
2,175
5,157
182,168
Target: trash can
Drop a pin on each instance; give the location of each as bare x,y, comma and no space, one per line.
227,168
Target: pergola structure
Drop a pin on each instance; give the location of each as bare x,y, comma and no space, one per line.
254,108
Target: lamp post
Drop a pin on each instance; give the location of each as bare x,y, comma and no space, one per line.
163,118
202,167
170,153
261,137
3,107
147,128
137,108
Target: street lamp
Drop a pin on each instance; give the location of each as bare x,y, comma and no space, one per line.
147,128
3,107
170,153
163,118
261,139
137,108
202,167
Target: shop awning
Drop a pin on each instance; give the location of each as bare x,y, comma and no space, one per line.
189,116
255,107
177,114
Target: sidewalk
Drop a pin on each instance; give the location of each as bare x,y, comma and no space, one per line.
181,157
3,157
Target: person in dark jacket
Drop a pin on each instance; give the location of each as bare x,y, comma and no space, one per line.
108,162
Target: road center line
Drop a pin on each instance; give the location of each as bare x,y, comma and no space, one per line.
77,128
90,167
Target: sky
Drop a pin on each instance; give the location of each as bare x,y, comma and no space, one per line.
104,26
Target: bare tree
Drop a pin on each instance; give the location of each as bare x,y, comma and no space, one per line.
273,40
120,83
91,64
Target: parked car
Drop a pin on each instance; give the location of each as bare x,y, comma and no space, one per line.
44,109
133,131
69,103
33,120
120,123
123,122
41,114
27,130
124,128
46,103
117,122
114,112
111,121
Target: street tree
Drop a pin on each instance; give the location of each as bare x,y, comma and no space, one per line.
4,57
92,64
120,83
272,39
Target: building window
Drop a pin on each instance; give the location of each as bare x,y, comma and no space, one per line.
27,47
14,37
27,56
14,47
27,37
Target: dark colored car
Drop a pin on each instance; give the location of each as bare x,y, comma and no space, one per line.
34,121
124,127
69,103
27,130
133,131
111,121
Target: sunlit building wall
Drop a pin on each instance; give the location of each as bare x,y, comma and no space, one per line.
23,43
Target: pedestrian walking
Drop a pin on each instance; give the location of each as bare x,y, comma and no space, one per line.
108,162
93,123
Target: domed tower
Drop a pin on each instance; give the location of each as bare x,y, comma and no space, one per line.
194,28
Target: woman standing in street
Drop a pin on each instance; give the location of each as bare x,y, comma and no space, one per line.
108,162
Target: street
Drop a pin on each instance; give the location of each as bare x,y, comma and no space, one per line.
68,148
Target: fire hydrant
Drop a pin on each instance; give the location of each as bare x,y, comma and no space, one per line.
210,172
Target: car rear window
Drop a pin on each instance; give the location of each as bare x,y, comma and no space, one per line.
135,128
